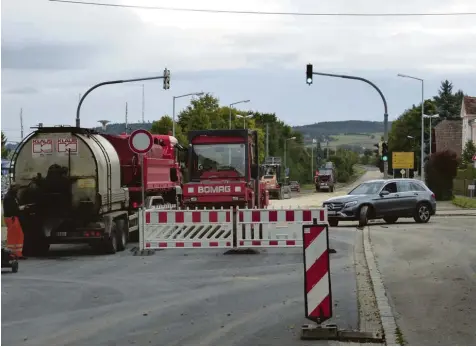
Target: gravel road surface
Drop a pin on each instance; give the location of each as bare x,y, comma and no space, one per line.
182,297
429,272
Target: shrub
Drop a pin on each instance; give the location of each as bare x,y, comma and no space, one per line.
440,171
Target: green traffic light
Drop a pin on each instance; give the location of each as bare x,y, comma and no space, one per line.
384,158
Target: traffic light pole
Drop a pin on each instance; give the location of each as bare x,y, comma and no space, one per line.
385,116
78,110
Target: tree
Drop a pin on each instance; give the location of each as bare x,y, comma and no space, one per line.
440,171
448,104
468,152
405,134
5,150
164,126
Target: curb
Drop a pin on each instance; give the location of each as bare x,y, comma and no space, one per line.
455,214
387,318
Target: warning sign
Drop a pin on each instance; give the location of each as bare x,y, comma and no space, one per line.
67,146
41,147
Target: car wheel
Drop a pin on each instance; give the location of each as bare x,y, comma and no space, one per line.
390,220
333,222
122,231
363,216
423,213
110,242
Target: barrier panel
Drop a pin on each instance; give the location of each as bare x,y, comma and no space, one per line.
187,229
275,227
317,275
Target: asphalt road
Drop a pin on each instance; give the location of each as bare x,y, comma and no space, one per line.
197,297
429,272
174,297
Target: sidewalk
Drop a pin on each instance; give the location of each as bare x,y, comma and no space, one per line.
446,208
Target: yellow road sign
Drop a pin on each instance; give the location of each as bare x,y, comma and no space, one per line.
403,160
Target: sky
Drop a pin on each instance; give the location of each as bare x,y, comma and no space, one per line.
52,52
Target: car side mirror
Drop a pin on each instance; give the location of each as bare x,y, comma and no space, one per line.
384,192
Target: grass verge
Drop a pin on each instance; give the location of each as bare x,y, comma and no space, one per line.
400,340
464,202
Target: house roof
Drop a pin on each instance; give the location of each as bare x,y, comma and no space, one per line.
470,104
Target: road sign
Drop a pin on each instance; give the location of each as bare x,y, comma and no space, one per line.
140,141
402,171
403,160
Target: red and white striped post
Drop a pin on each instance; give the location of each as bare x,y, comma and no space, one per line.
317,276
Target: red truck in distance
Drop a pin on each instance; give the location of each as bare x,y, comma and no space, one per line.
223,170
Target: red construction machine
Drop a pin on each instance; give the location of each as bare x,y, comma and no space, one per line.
224,170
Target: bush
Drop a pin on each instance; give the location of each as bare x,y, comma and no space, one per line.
439,173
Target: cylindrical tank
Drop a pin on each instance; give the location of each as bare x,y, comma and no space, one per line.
68,170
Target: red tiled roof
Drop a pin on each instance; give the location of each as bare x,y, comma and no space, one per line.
470,104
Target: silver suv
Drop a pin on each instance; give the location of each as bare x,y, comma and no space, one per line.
387,199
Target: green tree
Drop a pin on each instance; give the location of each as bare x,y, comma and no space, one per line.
448,104
405,134
164,126
5,151
468,152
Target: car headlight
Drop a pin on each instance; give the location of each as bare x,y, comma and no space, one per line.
350,204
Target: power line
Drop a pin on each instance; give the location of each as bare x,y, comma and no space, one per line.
309,14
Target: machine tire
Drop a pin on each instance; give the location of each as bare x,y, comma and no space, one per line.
333,222
110,241
331,189
422,213
364,216
122,234
15,266
390,220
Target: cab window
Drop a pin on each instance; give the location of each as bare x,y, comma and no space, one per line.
404,186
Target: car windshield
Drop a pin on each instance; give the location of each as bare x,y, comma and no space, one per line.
218,160
367,188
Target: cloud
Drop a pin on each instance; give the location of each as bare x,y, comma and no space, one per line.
52,52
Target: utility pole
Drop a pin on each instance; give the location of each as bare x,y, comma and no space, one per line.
126,118
21,123
143,103
267,140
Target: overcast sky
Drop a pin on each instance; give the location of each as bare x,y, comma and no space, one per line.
52,52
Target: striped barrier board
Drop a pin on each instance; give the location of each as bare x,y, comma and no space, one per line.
317,279
187,229
275,228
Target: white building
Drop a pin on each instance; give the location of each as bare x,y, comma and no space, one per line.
468,115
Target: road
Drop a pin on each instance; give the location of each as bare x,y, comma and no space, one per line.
183,297
429,272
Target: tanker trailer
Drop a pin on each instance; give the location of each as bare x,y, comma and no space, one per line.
69,190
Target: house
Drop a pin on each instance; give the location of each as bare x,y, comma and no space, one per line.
448,136
468,116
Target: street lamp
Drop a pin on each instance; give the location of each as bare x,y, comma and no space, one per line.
431,117
244,119
173,107
285,142
422,121
235,103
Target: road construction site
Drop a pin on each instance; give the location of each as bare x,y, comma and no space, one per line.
386,279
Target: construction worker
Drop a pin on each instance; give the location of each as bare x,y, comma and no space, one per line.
11,212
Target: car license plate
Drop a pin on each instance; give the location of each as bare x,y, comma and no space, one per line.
331,213
61,234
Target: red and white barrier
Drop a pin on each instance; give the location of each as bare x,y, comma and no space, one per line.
187,229
275,228
317,280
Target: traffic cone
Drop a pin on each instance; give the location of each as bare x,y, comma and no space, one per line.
14,236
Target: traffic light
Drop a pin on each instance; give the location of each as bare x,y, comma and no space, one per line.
309,74
166,79
384,151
